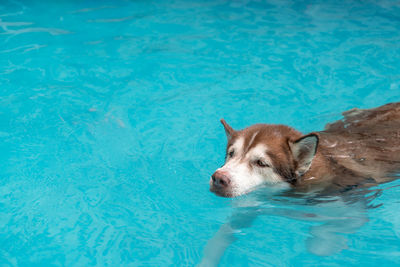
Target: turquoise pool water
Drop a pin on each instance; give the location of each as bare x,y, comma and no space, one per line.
109,128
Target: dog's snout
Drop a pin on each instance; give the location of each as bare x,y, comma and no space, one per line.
221,179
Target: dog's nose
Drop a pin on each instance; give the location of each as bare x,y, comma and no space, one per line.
221,179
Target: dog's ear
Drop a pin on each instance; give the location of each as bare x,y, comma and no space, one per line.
228,129
303,151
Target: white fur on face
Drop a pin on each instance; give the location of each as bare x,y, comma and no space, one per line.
243,171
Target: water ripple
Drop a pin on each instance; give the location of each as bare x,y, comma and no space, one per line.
52,31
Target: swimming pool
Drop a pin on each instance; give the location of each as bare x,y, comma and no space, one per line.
109,127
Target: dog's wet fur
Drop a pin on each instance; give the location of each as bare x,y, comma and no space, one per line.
362,148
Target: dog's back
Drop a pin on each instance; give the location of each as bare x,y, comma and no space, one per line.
365,142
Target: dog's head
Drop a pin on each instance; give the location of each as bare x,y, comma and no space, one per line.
262,154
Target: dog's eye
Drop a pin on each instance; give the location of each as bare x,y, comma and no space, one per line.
231,153
261,164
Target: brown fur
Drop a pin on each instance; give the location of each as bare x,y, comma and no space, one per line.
364,146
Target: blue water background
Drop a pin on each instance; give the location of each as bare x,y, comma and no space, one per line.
109,123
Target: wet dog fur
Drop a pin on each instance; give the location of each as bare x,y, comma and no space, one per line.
362,148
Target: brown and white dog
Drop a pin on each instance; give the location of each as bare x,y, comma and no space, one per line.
364,147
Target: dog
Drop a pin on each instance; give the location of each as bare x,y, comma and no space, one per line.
361,149
341,163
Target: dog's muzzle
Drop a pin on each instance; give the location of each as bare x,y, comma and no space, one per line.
220,183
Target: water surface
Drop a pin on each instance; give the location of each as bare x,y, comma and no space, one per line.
109,125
